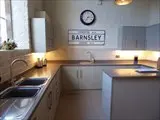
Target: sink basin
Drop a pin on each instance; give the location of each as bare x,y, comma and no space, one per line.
33,81
86,63
20,92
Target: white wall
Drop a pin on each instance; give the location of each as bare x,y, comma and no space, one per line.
154,13
66,15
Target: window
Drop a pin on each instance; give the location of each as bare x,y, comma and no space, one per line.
5,20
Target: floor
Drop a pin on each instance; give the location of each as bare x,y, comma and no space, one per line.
81,105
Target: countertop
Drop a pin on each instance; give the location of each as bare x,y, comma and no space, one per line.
22,109
130,73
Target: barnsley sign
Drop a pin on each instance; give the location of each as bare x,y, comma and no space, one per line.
86,37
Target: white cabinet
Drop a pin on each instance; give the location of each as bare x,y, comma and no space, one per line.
45,105
70,80
90,77
87,77
153,37
47,108
42,34
132,38
130,98
81,77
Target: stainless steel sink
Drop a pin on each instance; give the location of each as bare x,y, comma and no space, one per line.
32,81
20,92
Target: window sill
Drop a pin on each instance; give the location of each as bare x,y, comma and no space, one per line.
14,50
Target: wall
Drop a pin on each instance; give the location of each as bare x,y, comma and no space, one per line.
154,13
65,15
7,56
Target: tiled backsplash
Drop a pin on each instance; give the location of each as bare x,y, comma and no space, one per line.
6,57
100,54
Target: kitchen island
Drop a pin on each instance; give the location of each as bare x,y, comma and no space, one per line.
129,95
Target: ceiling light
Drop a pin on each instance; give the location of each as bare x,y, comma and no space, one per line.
123,2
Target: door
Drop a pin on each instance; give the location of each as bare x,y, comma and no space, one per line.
70,80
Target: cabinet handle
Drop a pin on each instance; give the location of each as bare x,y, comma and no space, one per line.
49,102
81,74
77,74
57,93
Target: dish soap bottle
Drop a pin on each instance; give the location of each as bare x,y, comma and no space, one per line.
45,62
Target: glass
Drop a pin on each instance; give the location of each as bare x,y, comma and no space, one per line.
3,22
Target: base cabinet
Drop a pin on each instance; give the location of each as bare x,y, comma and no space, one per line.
47,108
90,77
81,77
70,80
45,105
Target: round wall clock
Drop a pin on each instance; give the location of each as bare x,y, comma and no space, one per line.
87,17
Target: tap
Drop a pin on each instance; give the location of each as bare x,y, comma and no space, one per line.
92,59
11,68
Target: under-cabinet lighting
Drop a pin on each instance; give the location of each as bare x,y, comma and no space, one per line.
123,2
129,54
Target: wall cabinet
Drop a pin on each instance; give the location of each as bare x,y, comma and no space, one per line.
132,38
42,34
153,37
47,108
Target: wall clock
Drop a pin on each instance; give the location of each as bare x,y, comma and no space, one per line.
87,17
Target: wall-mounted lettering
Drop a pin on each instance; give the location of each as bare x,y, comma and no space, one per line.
86,37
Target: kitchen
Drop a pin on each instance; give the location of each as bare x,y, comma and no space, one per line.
98,75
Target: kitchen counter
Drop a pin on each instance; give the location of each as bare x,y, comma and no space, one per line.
106,62
130,73
24,107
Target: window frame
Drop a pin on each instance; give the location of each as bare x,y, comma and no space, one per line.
8,12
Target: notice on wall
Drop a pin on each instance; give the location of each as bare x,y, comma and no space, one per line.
86,37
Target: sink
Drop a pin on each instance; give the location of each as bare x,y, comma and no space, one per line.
20,92
32,81
86,63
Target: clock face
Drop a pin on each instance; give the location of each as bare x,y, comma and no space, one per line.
87,17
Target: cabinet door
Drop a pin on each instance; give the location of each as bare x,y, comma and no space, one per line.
153,37
132,38
70,80
50,101
44,109
39,114
129,43
90,77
